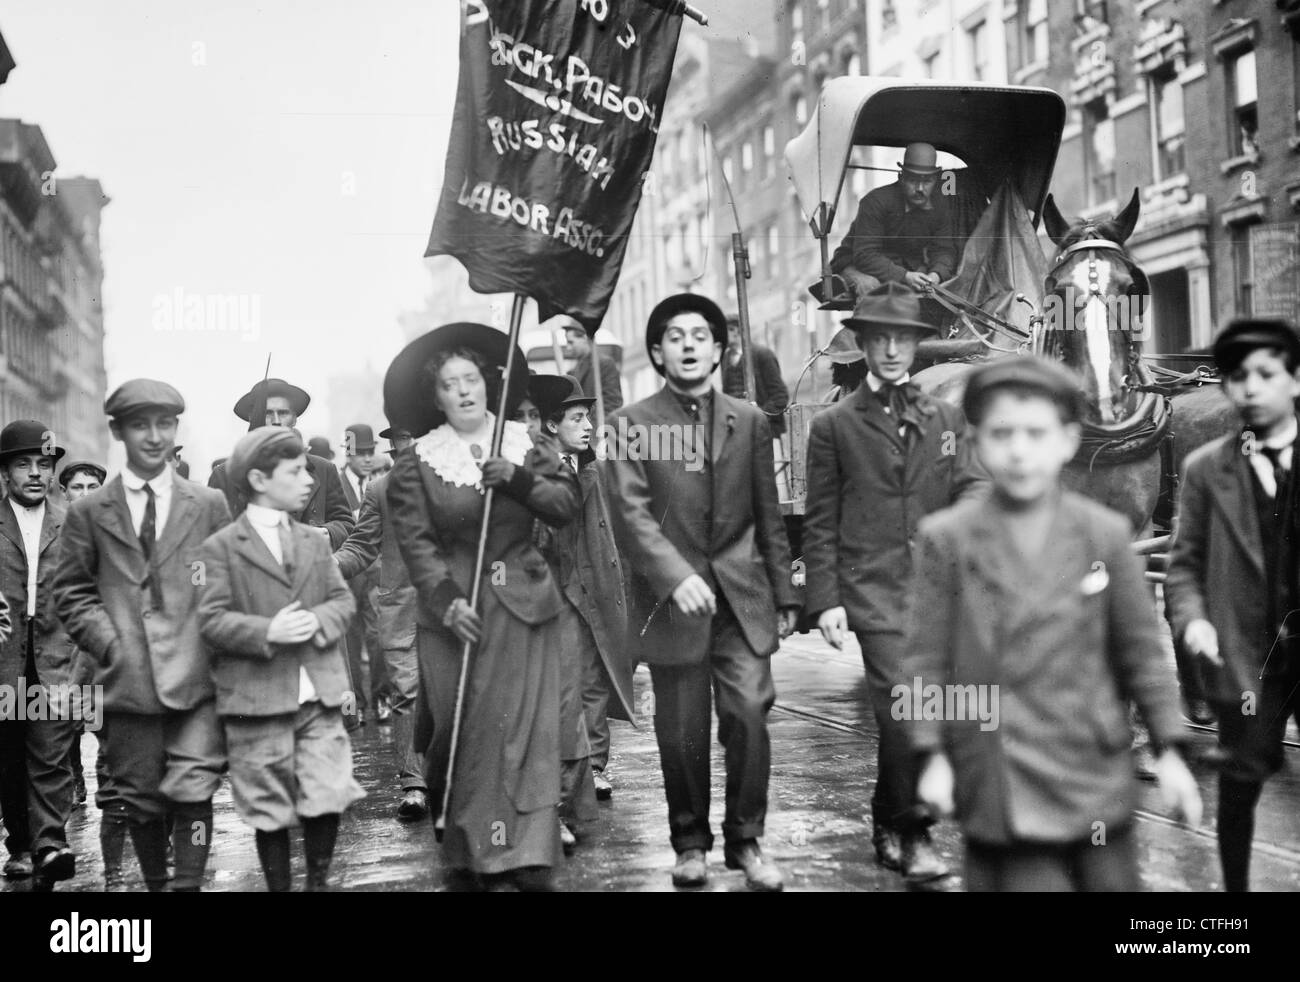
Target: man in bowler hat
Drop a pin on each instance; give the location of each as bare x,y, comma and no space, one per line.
711,593
127,590
363,631
903,232
36,782
879,461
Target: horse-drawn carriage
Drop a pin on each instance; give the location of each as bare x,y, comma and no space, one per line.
1084,306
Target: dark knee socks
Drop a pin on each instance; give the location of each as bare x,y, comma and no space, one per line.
1237,801
112,843
318,836
273,851
192,841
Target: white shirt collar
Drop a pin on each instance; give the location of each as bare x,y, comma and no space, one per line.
875,382
161,483
34,512
265,517
1284,438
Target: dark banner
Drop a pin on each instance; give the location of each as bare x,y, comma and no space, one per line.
557,111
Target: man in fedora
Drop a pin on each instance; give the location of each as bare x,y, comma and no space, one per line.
363,632
373,546
710,591
127,590
36,782
879,461
903,232
276,402
577,346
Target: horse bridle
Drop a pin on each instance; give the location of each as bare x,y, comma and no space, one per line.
1140,282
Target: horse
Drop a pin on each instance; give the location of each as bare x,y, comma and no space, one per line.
1136,432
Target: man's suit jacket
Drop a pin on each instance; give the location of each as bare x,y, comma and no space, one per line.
867,493
326,508
772,396
1216,569
887,241
375,540
149,661
53,655
1070,639
664,509
245,588
611,387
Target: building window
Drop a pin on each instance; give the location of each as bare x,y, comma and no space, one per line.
853,64
825,7
769,150
1099,152
746,157
1035,32
1243,119
796,23
1095,10
977,45
1170,311
800,110
727,168
1169,126
773,251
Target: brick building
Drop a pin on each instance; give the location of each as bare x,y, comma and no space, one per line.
51,291
1173,97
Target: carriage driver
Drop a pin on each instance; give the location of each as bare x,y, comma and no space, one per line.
903,232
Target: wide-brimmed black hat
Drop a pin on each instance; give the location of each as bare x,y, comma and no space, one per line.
72,469
28,436
1244,335
552,393
1024,372
683,303
299,400
409,397
889,305
319,446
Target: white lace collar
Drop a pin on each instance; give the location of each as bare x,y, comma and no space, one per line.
451,458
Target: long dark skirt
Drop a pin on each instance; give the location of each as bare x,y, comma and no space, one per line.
503,813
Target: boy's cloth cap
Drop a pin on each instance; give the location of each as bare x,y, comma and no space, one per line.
251,444
1052,379
1244,335
143,393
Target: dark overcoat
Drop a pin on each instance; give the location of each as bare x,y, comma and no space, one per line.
54,656
868,490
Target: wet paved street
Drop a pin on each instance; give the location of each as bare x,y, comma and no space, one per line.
818,826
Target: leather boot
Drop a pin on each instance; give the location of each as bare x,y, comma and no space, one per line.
921,862
191,843
150,842
273,851
112,843
318,836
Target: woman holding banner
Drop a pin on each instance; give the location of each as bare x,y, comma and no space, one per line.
502,821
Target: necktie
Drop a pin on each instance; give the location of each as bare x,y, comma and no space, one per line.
148,533
569,463
286,545
1280,473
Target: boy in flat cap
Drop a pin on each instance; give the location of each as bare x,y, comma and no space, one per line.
711,592
1032,623
1232,593
36,782
275,610
127,592
879,461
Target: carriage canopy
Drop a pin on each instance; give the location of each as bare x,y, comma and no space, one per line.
1001,132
